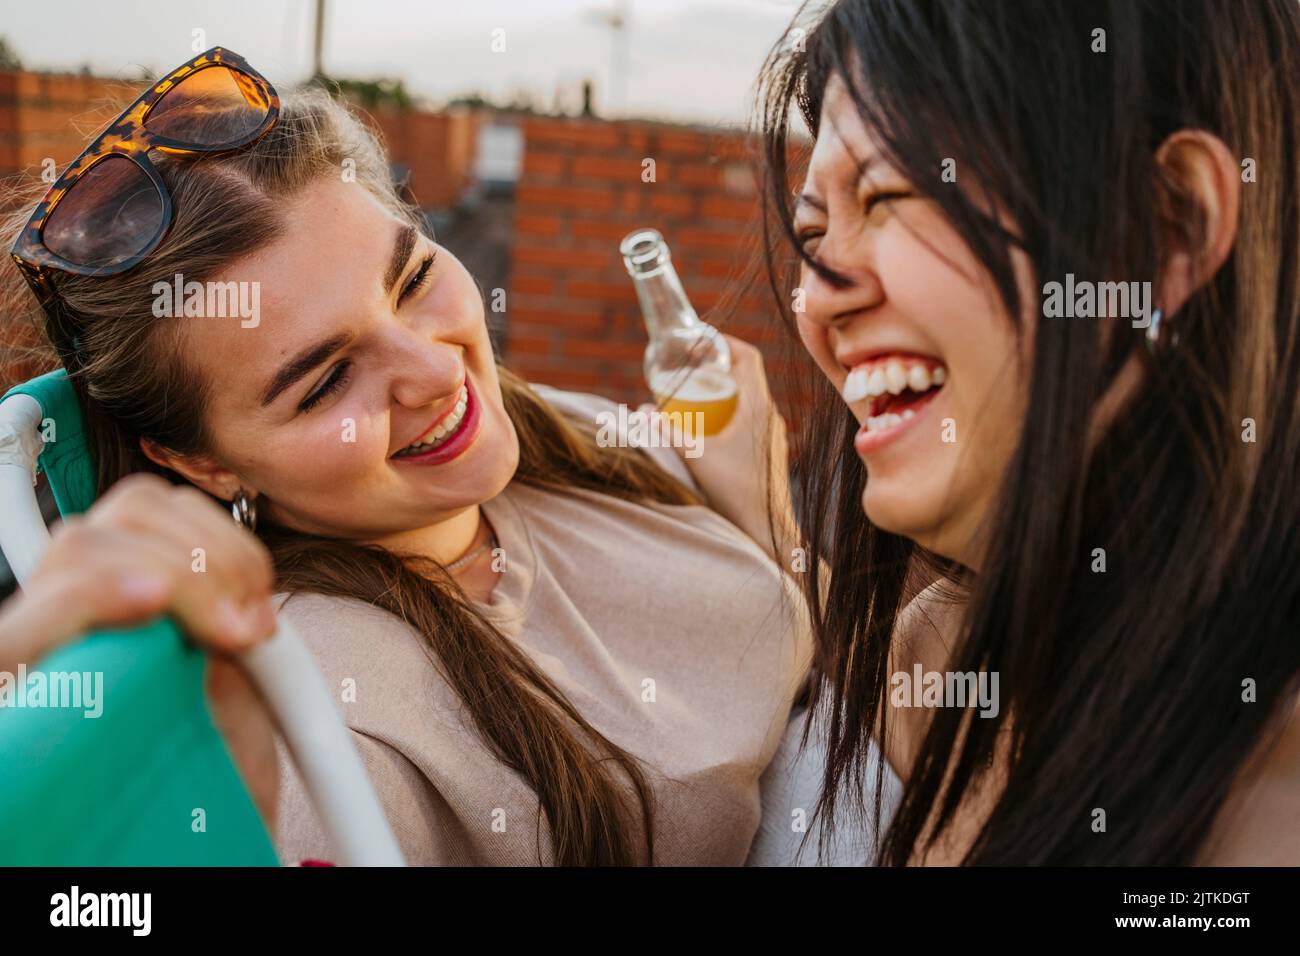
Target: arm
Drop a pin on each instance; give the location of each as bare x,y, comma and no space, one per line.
128,560
416,812
747,465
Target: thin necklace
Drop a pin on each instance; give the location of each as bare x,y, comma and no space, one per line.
465,559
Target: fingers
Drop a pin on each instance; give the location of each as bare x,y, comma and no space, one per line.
149,548
195,526
665,425
106,577
37,619
746,357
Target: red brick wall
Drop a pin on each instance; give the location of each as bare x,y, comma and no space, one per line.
438,149
53,115
45,116
573,319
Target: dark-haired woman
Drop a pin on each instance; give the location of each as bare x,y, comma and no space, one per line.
1095,495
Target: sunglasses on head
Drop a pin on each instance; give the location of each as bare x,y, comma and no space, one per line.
110,208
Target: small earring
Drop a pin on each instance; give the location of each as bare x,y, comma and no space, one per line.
244,511
1153,330
1153,333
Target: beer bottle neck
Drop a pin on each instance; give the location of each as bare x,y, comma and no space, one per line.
663,301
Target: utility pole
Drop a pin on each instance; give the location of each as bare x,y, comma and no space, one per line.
616,18
317,67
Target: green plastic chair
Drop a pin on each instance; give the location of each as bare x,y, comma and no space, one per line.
148,782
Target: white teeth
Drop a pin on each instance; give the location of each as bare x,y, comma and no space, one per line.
878,423
855,386
895,377
860,384
431,439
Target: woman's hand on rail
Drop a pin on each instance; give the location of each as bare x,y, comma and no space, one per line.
148,548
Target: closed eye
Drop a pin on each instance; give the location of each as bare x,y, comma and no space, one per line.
876,198
804,236
418,280
337,379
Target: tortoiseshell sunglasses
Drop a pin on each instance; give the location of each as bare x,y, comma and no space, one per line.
110,209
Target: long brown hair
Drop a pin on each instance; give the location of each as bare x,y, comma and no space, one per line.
134,383
1123,689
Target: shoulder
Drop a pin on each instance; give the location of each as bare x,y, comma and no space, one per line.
598,409
1259,823
360,647
924,634
406,721
327,618
581,404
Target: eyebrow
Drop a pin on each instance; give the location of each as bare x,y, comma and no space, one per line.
864,168
402,249
808,199
302,364
866,165
313,356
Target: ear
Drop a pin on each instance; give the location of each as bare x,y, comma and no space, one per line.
1199,206
203,471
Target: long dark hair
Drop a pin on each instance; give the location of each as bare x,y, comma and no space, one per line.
1122,690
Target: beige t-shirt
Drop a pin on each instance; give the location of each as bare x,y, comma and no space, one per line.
666,626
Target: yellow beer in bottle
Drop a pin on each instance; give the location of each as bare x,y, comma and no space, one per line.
687,362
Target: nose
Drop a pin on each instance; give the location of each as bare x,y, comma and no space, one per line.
426,371
831,303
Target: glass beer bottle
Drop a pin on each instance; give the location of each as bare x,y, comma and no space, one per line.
687,363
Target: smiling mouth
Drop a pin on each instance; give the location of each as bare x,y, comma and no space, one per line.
897,387
443,431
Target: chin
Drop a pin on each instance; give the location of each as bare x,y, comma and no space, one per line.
503,461
496,464
900,511
940,530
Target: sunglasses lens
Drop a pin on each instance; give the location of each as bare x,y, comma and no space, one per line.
209,108
109,215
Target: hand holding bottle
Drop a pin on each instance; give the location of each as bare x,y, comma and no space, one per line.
747,464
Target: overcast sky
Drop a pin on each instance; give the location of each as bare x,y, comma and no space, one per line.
692,60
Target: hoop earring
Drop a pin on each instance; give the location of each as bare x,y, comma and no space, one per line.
244,511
